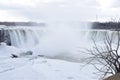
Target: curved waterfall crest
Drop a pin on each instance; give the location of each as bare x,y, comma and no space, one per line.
26,37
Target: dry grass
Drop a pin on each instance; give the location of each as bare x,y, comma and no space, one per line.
114,77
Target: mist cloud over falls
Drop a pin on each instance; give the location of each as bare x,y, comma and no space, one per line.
59,40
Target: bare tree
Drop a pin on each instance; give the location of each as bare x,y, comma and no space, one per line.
106,58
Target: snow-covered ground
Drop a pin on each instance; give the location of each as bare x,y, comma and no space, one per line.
40,68
43,69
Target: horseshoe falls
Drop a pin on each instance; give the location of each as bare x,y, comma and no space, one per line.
54,41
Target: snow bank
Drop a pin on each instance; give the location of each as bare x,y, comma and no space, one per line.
45,69
6,51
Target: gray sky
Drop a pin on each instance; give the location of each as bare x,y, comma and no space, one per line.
59,10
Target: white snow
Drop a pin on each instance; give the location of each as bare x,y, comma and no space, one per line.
43,69
40,68
6,51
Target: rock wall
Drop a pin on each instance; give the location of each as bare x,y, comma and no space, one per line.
5,37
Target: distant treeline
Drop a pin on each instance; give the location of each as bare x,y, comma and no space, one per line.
22,24
106,25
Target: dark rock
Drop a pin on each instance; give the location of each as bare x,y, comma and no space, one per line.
41,55
5,37
14,56
25,53
29,53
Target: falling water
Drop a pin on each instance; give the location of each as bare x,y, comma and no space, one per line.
55,41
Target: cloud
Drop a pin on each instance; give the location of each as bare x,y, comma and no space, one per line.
115,3
48,9
55,10
11,16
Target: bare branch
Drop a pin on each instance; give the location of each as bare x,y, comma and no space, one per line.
107,56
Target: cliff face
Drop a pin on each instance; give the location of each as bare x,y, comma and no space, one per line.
5,37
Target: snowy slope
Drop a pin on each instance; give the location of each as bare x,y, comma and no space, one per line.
32,67
43,69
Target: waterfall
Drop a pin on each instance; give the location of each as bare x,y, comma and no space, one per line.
63,42
100,35
26,37
21,37
56,42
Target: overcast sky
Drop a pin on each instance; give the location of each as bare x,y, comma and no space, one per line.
59,10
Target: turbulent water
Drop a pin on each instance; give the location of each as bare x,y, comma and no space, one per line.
57,42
